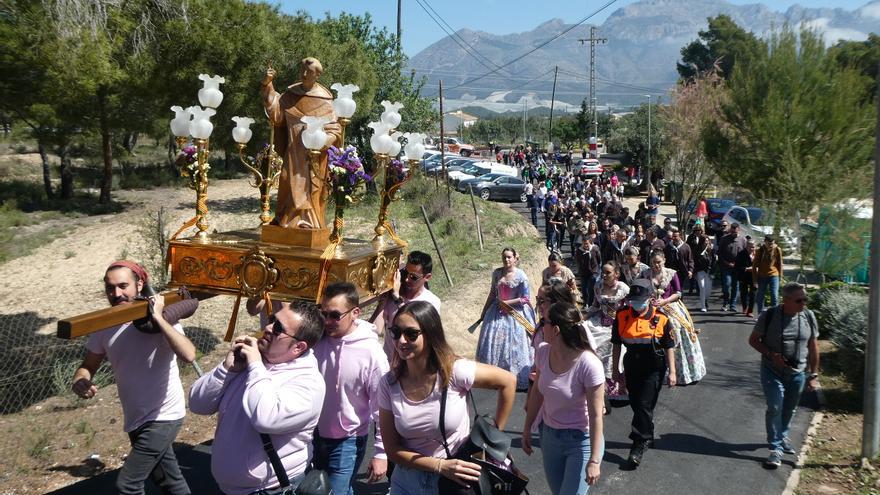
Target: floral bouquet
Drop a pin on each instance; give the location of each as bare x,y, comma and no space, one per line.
188,162
347,175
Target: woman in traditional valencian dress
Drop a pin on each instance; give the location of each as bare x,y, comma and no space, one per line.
504,341
689,364
610,293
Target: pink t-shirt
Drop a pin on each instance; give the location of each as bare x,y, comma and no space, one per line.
565,394
418,422
145,369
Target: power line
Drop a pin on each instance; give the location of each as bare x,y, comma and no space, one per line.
470,50
533,50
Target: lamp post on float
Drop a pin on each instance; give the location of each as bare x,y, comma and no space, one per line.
195,121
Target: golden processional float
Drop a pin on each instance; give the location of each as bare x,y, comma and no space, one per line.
293,255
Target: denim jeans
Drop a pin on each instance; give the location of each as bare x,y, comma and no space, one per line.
408,481
763,284
565,453
783,393
551,239
728,288
341,458
152,456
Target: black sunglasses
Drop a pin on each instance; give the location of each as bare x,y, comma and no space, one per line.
410,334
336,315
278,329
410,276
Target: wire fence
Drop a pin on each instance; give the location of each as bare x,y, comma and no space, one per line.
35,365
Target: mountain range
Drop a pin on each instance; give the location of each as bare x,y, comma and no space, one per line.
644,40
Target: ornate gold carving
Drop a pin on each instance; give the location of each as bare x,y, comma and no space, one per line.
211,268
360,277
257,274
298,279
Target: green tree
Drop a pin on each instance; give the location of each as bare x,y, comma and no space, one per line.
629,135
722,44
863,56
796,127
694,106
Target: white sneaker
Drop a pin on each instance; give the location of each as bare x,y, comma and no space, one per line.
704,310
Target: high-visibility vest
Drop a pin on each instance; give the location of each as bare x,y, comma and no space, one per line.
634,329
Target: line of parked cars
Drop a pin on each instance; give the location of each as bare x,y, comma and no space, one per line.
754,222
489,180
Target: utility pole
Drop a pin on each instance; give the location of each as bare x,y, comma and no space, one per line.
871,406
399,48
552,100
649,145
593,42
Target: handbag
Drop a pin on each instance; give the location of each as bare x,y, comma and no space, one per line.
316,481
490,448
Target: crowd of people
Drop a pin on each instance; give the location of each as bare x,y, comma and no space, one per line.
304,396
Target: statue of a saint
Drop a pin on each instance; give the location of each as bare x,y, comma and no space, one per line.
302,192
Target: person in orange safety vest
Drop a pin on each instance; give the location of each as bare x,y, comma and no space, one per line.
647,335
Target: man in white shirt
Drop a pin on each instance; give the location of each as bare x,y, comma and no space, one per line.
409,285
148,381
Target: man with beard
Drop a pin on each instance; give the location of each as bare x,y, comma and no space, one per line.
409,285
268,395
145,369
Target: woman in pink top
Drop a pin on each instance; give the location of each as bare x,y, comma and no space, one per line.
571,378
409,402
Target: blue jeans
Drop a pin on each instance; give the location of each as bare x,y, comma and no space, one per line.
566,453
728,288
341,458
407,481
763,283
783,393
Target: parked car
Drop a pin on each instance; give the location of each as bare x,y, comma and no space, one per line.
453,164
455,145
754,222
496,186
588,167
717,208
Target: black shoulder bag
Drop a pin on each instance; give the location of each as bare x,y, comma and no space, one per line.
316,481
484,444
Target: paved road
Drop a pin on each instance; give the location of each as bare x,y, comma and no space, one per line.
710,435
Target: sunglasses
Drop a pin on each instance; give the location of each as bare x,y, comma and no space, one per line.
410,276
410,334
336,315
278,330
800,301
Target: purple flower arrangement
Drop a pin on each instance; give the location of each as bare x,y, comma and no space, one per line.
395,173
346,174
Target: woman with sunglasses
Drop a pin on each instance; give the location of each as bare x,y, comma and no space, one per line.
569,394
609,298
504,341
409,402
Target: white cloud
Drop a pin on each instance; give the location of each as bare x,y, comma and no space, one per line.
870,10
833,34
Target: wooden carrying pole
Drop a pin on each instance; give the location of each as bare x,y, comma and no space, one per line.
436,247
84,324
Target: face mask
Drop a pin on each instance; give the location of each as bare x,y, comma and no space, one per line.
639,306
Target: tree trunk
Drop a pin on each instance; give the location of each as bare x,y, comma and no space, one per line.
66,172
106,148
47,171
130,141
172,151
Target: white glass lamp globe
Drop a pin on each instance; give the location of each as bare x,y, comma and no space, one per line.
242,133
395,144
210,95
180,122
344,105
380,141
391,115
415,147
201,126
313,136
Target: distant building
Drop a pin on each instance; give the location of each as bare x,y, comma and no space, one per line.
453,120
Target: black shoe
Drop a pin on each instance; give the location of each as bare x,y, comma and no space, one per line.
637,452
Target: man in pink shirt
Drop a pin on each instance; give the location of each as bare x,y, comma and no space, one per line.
145,368
352,362
268,386
409,285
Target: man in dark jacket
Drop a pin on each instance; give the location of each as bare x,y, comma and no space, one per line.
729,247
703,252
649,245
679,257
589,262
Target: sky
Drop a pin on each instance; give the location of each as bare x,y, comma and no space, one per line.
494,16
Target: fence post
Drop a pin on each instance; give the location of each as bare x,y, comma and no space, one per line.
477,216
436,247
